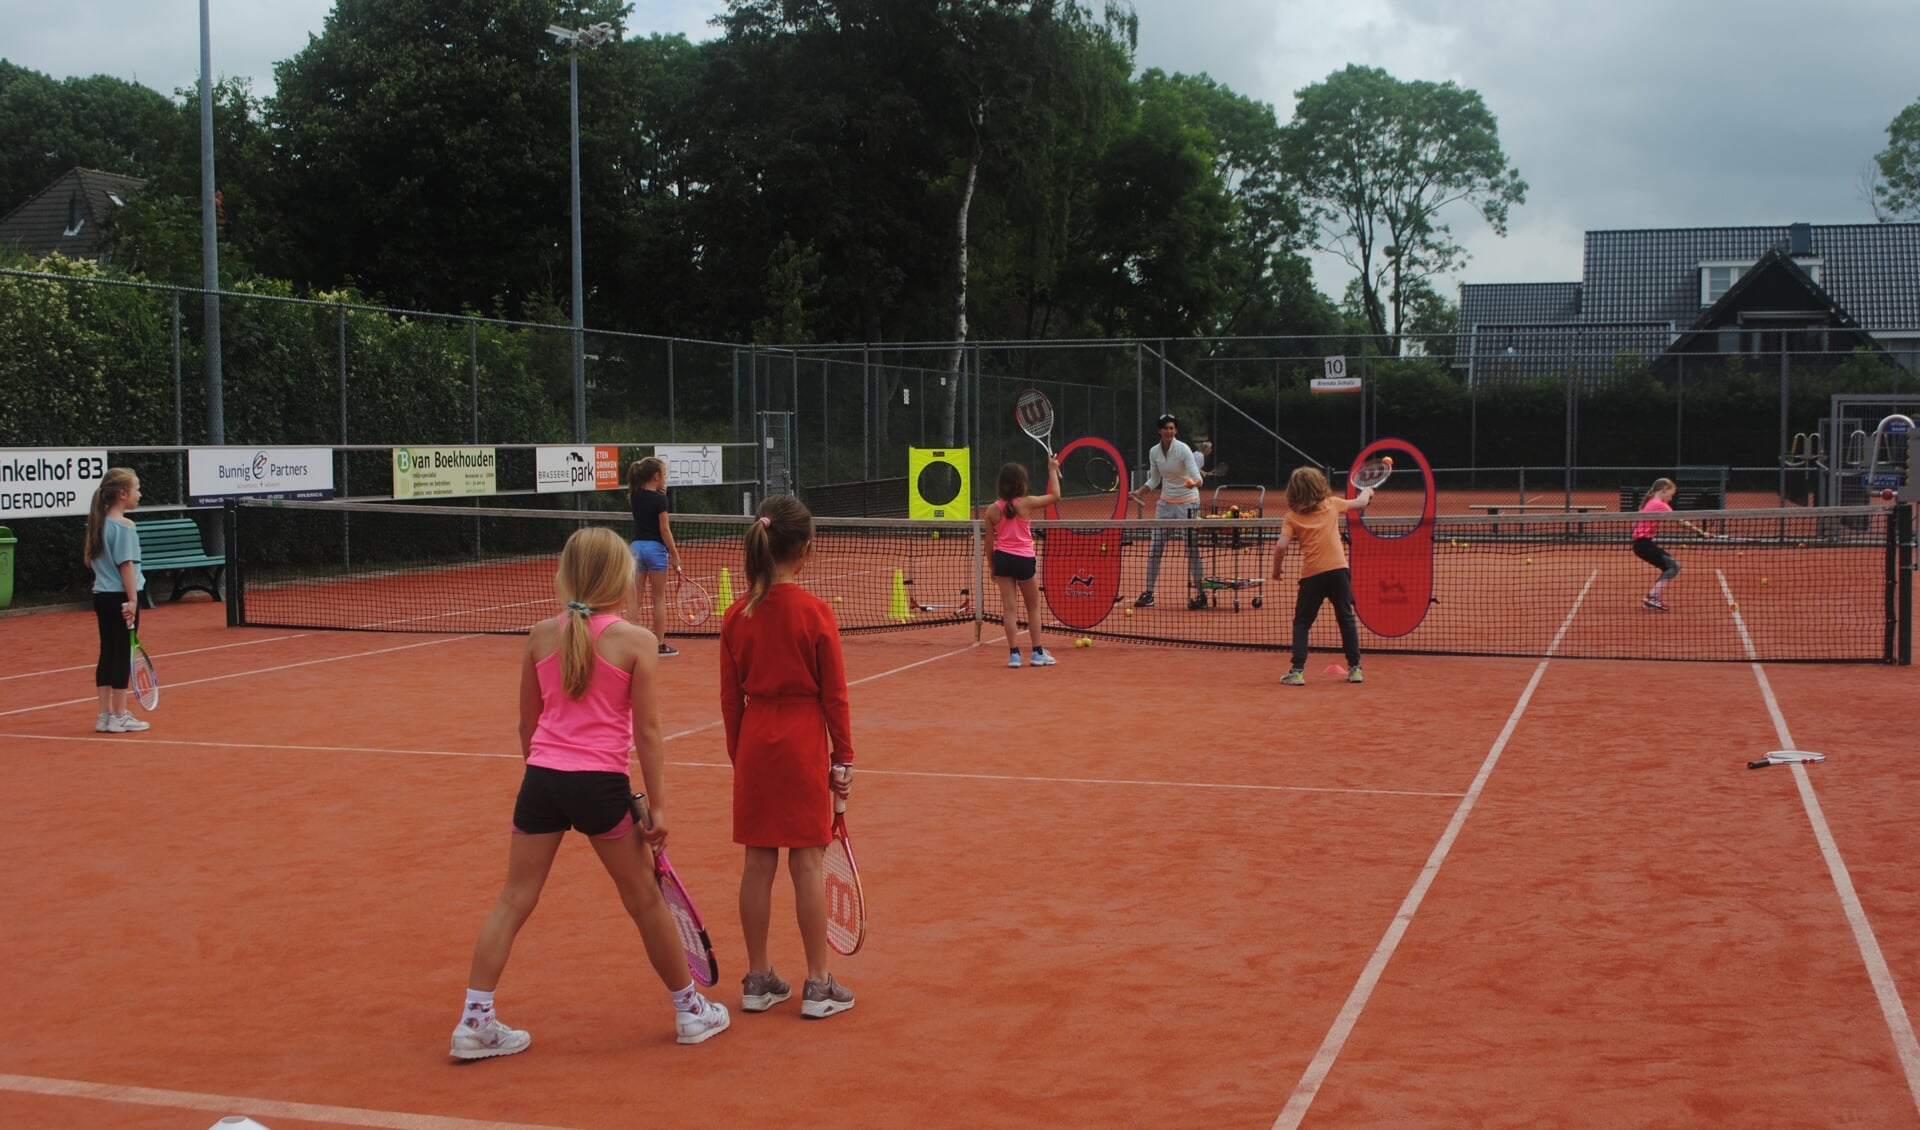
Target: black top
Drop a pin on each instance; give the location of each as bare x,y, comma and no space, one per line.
648,505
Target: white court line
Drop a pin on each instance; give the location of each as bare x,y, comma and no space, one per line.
1899,1025
264,1108
170,654
257,671
1343,1025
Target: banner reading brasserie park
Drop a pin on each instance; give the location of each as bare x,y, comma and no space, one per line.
443,472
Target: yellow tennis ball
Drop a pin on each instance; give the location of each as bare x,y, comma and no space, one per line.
1129,611
1529,560
838,599
1103,547
1086,641
1387,459
936,535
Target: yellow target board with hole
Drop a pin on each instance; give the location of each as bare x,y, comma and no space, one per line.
937,486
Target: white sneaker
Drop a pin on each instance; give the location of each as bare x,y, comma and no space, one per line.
1042,658
703,1023
1013,659
489,1039
103,724
126,724
824,998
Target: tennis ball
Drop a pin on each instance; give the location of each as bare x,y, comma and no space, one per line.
839,599
1763,580
936,535
1736,608
1103,547
1387,459
1129,611
1454,542
1529,560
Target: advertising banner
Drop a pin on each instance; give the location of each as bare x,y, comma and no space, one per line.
218,473
559,469
443,472
691,465
42,482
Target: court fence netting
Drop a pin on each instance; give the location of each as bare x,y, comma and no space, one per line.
1803,584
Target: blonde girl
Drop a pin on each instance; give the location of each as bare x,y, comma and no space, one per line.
1313,519
1659,500
653,550
113,552
783,695
1010,532
586,699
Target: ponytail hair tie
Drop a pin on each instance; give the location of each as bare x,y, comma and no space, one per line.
579,608
765,522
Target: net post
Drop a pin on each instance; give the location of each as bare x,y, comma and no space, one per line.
979,578
236,575
1900,538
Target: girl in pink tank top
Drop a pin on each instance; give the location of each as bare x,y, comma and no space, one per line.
586,699
1010,528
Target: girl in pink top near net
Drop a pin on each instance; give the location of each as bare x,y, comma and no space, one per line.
1010,532
1659,501
586,701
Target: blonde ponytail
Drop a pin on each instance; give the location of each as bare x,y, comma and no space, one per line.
595,576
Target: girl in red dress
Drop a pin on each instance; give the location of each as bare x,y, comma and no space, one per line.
783,694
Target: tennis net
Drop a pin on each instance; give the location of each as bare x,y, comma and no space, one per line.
1801,584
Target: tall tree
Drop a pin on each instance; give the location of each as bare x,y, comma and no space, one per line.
1897,192
423,148
1378,160
49,126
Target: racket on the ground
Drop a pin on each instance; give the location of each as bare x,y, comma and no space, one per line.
1373,472
694,603
686,917
1785,757
146,681
846,899
1034,413
1102,475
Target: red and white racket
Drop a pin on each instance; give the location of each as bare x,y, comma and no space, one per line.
692,600
846,899
1373,472
686,917
1034,413
1786,757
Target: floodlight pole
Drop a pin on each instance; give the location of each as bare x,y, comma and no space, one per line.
210,239
575,39
579,284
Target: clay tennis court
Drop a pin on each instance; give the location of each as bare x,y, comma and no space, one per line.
1145,887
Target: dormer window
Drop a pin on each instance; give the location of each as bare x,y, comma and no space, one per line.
1717,278
76,216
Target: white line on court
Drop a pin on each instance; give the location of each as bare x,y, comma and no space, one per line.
170,654
265,1108
1343,1025
259,671
1899,1025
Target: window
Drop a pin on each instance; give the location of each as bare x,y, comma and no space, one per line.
76,215
1717,278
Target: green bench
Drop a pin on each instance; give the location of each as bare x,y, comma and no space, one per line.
172,545
1684,498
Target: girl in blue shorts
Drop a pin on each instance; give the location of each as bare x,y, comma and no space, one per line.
653,550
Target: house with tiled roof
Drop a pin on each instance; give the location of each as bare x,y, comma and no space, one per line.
1666,293
69,215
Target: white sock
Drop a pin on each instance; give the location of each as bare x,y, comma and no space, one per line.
687,999
479,1009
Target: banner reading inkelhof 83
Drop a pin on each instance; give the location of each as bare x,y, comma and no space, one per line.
42,482
218,473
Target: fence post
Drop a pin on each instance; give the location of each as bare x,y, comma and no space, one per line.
473,374
866,413
673,427
179,411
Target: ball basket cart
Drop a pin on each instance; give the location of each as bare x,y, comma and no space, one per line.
1228,543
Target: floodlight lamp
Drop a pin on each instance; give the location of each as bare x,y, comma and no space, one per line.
560,34
595,35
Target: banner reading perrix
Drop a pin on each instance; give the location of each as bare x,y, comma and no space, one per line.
443,472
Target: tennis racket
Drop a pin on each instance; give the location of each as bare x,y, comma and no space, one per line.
146,681
1373,472
694,603
1785,757
1034,413
686,917
846,899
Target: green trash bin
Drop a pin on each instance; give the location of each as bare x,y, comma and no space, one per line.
7,542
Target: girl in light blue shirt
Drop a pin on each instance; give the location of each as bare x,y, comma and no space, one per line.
113,550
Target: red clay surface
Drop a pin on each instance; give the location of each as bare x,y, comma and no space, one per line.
1135,889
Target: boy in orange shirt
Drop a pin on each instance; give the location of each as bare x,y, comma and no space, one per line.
1313,518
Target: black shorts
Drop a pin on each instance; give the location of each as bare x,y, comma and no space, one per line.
553,800
1650,552
1012,565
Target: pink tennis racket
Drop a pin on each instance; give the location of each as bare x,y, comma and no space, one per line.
686,917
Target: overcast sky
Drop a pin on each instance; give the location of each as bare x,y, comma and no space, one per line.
1624,114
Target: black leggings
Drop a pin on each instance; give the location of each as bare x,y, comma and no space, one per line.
1335,585
1646,550
115,668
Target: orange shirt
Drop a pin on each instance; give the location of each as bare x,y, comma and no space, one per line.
1318,532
